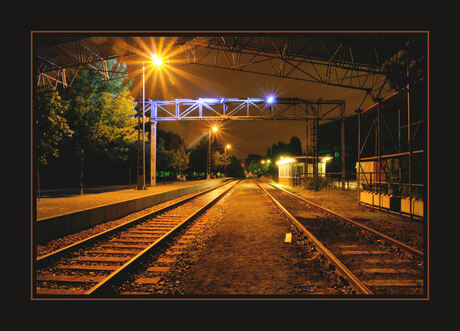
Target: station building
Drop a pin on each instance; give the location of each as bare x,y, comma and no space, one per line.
291,170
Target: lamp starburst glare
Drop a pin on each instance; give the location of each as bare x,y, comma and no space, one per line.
157,61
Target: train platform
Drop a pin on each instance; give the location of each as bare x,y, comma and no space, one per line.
61,216
51,205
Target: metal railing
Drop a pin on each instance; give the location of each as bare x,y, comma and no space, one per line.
325,181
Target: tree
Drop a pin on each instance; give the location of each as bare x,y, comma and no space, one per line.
180,159
235,169
171,153
220,160
410,58
254,167
251,157
295,146
198,156
51,124
100,114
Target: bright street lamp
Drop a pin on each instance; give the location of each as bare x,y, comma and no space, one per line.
156,60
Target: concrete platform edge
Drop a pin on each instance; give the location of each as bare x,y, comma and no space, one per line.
50,228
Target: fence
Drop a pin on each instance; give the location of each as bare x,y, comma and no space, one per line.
325,181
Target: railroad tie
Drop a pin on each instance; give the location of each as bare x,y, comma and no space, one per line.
101,258
388,271
59,291
349,252
87,267
394,282
147,280
70,278
158,269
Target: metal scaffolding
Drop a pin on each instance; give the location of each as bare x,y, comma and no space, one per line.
391,171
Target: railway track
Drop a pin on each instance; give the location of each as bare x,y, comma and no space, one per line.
374,263
93,266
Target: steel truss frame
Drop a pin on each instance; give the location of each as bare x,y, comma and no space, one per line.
333,64
212,109
238,109
306,57
79,53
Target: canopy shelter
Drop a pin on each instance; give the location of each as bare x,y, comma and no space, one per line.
348,60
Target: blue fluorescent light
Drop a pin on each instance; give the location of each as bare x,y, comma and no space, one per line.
270,99
208,100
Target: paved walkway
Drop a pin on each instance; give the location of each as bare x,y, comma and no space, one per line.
47,207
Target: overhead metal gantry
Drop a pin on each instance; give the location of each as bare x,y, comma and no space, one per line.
332,59
56,53
239,109
351,60
222,109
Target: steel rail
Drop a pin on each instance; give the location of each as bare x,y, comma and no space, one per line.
55,254
362,226
342,269
103,286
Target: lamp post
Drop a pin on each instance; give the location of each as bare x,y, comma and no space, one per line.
141,174
157,62
228,146
208,173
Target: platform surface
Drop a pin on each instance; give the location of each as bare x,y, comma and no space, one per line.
53,206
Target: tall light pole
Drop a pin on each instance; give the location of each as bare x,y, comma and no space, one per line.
157,62
208,173
228,146
141,175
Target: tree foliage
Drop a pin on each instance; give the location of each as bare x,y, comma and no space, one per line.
410,59
171,153
220,160
97,117
234,169
51,123
293,148
101,115
180,159
266,165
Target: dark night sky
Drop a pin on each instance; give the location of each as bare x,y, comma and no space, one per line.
245,136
